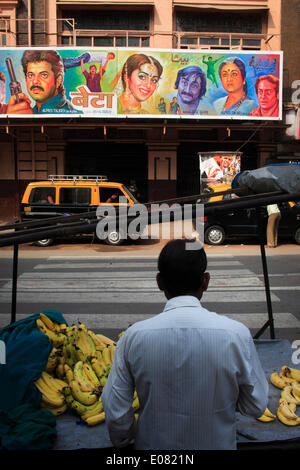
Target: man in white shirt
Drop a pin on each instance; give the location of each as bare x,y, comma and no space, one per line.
192,368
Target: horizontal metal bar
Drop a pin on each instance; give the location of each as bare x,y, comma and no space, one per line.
209,208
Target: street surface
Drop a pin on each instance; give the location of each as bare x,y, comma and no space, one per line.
108,288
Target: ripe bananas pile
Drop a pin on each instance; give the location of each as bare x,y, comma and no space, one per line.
288,381
76,371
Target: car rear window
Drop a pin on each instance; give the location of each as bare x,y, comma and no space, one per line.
75,196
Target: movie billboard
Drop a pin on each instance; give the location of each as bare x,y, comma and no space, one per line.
122,82
218,167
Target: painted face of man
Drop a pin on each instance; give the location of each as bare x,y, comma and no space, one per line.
267,95
40,81
231,78
189,88
93,69
143,82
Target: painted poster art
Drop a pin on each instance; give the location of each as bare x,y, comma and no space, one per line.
120,82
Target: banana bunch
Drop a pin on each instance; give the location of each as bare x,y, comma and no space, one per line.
286,413
54,331
267,416
52,395
288,381
77,370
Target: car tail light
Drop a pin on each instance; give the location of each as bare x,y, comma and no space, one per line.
204,219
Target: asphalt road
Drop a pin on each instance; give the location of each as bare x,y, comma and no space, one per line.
109,288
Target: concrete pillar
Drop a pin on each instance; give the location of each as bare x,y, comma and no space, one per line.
162,172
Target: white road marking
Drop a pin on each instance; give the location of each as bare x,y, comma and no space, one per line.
100,321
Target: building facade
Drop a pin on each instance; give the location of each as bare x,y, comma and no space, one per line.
160,154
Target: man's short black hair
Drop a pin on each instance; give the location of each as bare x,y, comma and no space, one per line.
182,264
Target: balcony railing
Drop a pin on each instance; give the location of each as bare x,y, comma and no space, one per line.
104,38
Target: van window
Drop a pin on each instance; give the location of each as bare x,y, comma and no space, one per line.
75,196
42,195
111,195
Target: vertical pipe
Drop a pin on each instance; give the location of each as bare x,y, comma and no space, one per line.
14,284
29,22
259,213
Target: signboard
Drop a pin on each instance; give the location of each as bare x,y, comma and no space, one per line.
218,167
154,83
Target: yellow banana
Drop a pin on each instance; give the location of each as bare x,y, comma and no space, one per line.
68,373
105,339
279,381
103,380
53,383
74,405
86,398
287,395
47,322
93,410
291,373
106,356
136,403
78,375
98,367
95,419
85,343
49,397
267,416
56,338
61,327
52,360
112,348
90,374
286,414
296,390
56,411
60,371
121,334
99,345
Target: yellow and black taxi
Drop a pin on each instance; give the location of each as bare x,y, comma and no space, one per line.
73,194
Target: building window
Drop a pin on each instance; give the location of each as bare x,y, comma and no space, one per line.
219,30
234,22
115,28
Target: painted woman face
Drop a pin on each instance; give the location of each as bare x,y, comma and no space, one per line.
231,78
143,82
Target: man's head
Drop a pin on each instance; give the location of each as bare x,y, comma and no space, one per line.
44,72
191,84
182,265
93,69
267,90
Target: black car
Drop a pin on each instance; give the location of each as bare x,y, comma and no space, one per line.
244,223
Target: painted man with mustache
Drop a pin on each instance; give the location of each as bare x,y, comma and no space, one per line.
44,73
191,86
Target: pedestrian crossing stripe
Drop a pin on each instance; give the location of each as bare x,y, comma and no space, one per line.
100,321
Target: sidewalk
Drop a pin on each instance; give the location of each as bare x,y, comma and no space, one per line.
140,249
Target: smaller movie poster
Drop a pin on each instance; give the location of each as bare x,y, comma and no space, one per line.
218,167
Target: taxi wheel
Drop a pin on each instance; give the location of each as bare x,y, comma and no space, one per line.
114,238
297,236
44,242
214,235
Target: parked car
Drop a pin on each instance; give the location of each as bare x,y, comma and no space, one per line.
70,194
243,223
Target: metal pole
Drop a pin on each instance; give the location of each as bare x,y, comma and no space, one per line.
270,322
14,283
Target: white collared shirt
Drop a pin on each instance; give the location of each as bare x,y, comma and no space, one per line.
192,369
